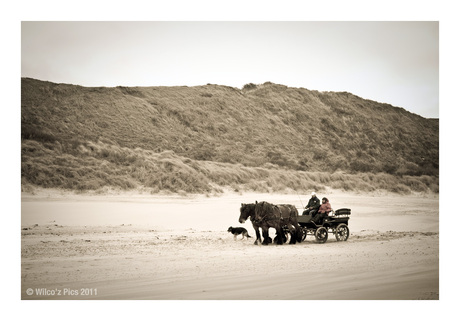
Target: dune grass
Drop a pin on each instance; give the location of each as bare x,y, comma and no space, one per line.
205,139
96,165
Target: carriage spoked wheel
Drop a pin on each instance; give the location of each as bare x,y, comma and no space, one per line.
304,234
321,234
342,232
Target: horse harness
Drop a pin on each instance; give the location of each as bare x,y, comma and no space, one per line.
272,217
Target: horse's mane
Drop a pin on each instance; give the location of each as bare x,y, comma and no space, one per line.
266,211
248,207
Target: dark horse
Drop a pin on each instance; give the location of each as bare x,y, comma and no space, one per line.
249,210
289,216
265,215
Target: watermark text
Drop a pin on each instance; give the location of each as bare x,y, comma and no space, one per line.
62,292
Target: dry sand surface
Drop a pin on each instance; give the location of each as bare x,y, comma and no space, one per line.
165,247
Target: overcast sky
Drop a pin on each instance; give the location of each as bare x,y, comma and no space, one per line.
390,62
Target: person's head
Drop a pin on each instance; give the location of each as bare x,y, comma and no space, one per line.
313,195
325,200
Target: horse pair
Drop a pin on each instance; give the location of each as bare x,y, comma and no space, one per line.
265,215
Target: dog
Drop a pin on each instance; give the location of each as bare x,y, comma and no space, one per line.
238,231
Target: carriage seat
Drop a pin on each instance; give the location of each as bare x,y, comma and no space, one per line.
342,212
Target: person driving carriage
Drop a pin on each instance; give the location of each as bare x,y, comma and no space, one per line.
312,206
323,211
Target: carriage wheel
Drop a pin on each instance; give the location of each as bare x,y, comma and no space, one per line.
342,232
304,234
321,234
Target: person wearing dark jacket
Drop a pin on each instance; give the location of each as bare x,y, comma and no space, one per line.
312,206
323,211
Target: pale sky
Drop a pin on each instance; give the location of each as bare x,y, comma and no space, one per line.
390,62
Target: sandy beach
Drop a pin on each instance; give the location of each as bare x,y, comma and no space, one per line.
151,247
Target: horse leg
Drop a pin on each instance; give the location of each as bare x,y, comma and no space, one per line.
258,238
293,233
298,231
282,236
267,239
280,232
266,234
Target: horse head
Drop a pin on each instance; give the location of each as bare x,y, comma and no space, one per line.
246,210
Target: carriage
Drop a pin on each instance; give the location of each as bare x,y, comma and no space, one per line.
336,222
287,222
